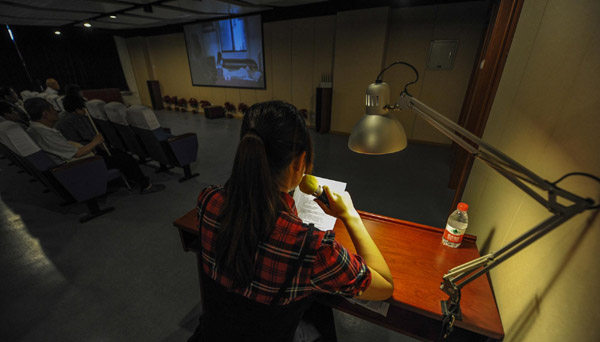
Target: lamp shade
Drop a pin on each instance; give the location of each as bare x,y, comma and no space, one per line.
377,134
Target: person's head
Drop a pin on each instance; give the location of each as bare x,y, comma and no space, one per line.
72,89
74,104
8,94
280,130
41,110
52,83
274,151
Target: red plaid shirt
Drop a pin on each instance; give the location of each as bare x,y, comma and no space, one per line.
328,266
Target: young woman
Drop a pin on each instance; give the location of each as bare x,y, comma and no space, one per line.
260,264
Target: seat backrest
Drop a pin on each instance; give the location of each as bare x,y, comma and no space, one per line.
59,102
16,139
142,117
117,113
96,109
228,316
19,142
53,99
146,126
26,94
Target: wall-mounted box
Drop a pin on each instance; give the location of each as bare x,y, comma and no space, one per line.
442,54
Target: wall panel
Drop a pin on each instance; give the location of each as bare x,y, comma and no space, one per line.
281,60
302,62
359,55
411,33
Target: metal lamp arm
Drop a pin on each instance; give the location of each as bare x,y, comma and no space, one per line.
515,173
508,167
452,283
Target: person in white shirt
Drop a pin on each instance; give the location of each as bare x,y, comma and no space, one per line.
44,117
52,86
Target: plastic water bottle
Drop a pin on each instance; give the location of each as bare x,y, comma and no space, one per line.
456,226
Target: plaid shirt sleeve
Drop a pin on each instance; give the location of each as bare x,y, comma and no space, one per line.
338,271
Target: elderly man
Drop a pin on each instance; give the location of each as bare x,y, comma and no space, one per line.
44,117
52,86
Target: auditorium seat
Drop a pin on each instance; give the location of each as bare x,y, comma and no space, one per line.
14,159
26,94
80,181
53,99
116,113
108,131
59,102
180,150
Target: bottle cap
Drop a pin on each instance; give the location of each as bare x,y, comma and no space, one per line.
463,206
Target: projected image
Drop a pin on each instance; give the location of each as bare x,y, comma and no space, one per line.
226,53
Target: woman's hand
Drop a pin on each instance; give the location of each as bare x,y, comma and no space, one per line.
340,206
382,282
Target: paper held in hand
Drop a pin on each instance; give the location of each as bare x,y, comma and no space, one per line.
310,212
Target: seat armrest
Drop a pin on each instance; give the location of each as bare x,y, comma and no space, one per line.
182,136
75,163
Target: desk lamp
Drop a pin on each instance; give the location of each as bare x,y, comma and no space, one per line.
380,133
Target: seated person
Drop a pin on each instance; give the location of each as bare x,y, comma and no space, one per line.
8,113
74,123
44,117
52,86
260,264
73,90
8,95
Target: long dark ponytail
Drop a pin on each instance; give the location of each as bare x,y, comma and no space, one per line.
273,134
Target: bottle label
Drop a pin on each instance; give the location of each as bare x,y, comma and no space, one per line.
453,235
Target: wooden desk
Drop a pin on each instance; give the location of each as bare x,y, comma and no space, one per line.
418,260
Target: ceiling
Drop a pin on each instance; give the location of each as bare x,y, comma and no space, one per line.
142,14
130,14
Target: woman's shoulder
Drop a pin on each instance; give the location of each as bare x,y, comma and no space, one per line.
209,192
210,200
291,226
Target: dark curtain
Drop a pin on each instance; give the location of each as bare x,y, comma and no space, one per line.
82,56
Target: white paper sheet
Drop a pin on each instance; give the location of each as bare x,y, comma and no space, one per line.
310,212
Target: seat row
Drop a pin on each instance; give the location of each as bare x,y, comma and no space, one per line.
137,131
80,181
54,99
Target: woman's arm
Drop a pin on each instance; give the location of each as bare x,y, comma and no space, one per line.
382,283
